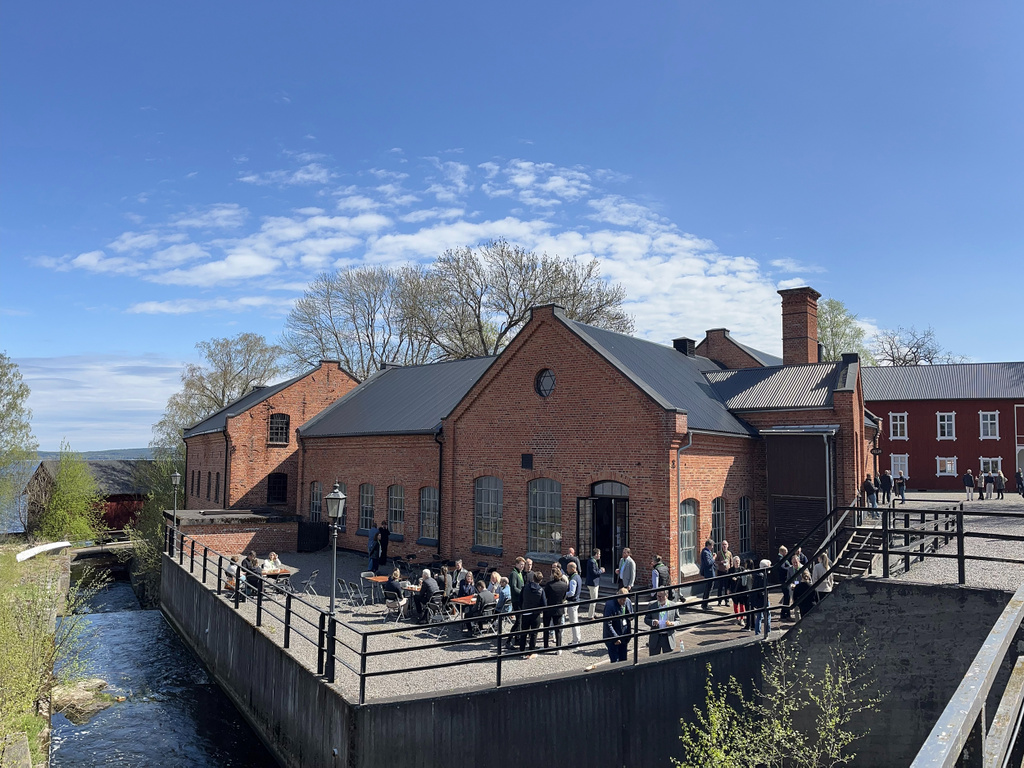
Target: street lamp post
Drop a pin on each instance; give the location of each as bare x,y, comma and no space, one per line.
335,508
175,479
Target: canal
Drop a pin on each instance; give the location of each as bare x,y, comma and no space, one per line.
173,714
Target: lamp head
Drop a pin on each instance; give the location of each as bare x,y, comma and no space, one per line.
175,479
335,503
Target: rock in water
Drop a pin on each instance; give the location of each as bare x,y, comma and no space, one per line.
79,701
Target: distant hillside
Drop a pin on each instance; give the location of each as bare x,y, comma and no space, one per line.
117,453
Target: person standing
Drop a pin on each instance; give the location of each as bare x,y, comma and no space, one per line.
968,481
569,557
707,571
870,498
533,602
573,593
616,625
626,571
594,573
1019,477
900,484
757,602
885,486
660,578
822,584
1000,480
662,618
373,549
723,559
517,583
555,592
385,536
990,484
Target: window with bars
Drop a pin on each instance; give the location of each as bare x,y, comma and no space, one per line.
946,429
316,495
989,425
687,532
718,520
428,513
277,431
897,426
487,512
277,488
744,542
544,522
396,509
366,521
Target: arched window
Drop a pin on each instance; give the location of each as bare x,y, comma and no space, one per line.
688,532
316,495
366,521
277,431
428,513
544,524
396,509
744,542
718,520
610,488
487,494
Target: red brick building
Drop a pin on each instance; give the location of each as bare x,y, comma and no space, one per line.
579,437
941,420
245,456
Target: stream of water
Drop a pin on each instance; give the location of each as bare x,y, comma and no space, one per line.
174,714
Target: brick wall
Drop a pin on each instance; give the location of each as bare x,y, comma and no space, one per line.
799,326
241,538
719,346
251,457
409,461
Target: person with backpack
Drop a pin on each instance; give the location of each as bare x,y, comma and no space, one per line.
660,578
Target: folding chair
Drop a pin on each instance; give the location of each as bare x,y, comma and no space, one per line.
371,596
437,615
357,595
308,586
394,604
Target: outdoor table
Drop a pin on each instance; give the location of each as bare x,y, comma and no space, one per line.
463,603
281,577
376,580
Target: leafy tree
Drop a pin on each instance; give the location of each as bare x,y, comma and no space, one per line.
354,316
839,332
796,719
232,368
73,507
147,532
468,303
17,445
908,346
472,302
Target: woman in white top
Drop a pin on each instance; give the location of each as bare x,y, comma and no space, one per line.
272,563
821,567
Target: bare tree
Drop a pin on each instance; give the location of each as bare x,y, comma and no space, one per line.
232,368
839,332
472,302
908,346
353,316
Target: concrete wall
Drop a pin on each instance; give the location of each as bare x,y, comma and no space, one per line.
301,720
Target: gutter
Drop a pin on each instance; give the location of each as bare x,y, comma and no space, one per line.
440,477
227,457
679,455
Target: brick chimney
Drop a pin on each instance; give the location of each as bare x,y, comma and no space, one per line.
799,325
684,345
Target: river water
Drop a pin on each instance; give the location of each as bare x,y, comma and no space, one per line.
174,714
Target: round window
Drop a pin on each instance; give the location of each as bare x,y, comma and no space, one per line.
545,382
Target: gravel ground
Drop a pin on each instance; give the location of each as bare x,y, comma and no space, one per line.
1005,576
420,645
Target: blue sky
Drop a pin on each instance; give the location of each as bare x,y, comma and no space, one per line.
174,172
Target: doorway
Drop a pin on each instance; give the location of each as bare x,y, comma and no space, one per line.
602,521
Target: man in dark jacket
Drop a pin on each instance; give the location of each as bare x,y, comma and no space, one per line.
385,535
617,612
870,495
428,586
516,583
484,600
533,601
569,557
885,486
554,597
660,578
1019,477
707,570
591,577
968,481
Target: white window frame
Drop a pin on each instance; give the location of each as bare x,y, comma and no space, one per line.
948,472
952,425
981,425
898,418
688,513
904,464
995,463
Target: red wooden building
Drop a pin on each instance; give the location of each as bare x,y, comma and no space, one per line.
941,420
118,481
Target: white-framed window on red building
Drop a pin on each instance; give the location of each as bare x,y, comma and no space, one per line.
688,532
898,426
945,466
989,425
899,462
945,425
991,463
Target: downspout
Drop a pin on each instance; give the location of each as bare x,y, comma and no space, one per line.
679,455
440,477
184,500
227,454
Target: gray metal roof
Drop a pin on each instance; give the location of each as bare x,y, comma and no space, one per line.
399,400
960,381
114,476
784,387
672,379
218,421
768,361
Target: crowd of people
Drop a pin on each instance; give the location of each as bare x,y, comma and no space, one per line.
989,483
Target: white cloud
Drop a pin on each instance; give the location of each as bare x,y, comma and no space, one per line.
792,265
312,173
219,216
194,306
